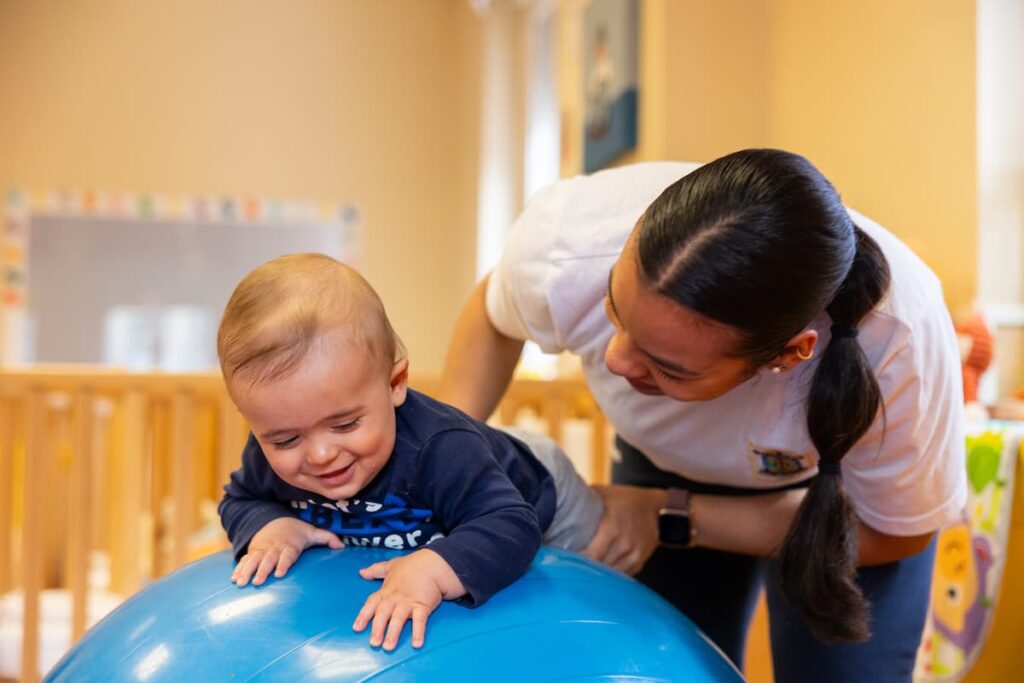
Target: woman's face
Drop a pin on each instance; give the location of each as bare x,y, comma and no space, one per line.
662,348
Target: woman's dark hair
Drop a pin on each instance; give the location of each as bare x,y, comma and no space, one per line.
759,240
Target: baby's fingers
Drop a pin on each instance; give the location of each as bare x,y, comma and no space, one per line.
396,624
377,570
327,538
267,565
245,567
285,561
366,613
419,625
381,618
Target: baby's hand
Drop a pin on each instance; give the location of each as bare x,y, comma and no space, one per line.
414,586
276,546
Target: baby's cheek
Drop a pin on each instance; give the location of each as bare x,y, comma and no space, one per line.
284,467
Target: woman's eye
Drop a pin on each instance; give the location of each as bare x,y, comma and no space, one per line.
286,442
664,375
608,306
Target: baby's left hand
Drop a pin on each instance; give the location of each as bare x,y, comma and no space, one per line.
414,585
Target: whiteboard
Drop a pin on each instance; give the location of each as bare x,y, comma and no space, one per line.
82,268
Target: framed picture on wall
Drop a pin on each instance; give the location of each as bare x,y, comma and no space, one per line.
610,49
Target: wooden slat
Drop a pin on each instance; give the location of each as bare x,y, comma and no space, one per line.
553,410
601,473
204,473
79,539
158,479
102,410
507,411
56,473
231,432
32,531
6,495
127,496
183,460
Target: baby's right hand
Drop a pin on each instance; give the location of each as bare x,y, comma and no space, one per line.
276,546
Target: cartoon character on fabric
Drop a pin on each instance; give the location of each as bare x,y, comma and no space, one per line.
967,567
959,602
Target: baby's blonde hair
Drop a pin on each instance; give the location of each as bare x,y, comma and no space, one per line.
278,310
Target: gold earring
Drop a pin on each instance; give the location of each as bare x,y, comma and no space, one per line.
803,357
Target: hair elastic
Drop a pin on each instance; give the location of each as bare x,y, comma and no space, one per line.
828,467
844,332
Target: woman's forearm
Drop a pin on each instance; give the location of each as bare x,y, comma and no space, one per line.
757,525
746,525
480,360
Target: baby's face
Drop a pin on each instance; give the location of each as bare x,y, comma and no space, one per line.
329,425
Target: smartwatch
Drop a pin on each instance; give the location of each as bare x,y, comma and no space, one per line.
675,521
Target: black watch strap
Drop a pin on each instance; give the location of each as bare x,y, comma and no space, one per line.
675,521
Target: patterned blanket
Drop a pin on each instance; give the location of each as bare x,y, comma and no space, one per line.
970,557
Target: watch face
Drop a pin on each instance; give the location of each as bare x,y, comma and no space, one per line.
674,528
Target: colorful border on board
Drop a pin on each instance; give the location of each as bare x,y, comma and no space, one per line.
21,204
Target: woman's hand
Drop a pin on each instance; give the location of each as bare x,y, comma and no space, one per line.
276,546
628,532
414,585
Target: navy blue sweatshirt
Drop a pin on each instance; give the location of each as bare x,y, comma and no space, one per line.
478,496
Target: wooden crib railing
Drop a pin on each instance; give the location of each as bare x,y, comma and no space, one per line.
131,465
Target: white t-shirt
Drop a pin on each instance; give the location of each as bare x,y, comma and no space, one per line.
549,287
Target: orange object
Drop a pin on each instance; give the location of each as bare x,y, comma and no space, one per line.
978,357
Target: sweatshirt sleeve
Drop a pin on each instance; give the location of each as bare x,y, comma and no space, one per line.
250,499
492,533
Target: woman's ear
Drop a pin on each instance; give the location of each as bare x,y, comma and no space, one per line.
399,381
797,350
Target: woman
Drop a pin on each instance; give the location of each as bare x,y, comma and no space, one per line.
784,381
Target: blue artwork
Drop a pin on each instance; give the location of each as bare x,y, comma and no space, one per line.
610,81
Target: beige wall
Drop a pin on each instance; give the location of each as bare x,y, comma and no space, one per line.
714,77
879,94
372,102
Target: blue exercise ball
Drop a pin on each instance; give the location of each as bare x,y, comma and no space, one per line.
566,619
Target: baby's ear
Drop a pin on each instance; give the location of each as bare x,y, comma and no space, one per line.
399,381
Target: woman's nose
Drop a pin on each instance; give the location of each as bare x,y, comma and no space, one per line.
622,359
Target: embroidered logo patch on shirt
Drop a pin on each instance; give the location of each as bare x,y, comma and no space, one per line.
775,463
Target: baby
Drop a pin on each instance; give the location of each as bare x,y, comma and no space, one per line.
343,452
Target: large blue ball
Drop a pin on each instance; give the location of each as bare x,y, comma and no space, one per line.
566,619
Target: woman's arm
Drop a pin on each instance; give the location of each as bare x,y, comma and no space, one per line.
748,525
757,525
480,360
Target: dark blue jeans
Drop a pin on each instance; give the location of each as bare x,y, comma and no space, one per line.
718,591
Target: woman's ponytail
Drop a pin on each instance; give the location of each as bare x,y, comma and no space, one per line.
818,559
